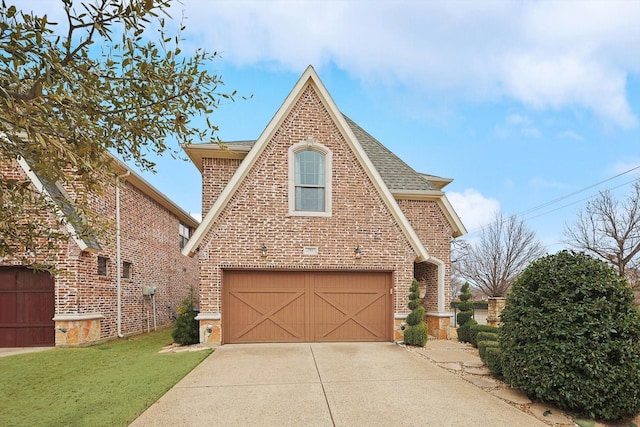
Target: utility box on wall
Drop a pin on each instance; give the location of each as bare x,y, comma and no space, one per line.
148,289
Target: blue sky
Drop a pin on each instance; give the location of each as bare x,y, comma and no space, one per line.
521,103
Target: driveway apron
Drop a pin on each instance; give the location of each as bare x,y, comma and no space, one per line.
326,384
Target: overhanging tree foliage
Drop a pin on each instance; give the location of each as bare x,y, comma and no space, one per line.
504,250
109,78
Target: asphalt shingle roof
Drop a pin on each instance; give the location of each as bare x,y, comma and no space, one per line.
396,174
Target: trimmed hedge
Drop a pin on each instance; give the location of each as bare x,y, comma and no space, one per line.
493,356
570,335
486,336
483,346
481,305
464,331
476,329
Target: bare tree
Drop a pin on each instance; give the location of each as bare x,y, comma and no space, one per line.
505,249
609,229
458,249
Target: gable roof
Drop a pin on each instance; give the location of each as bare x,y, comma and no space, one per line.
388,163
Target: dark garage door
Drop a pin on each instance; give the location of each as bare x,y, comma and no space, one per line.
26,308
306,306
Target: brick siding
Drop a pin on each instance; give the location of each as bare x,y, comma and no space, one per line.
149,241
257,214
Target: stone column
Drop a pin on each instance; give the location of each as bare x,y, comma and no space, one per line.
496,305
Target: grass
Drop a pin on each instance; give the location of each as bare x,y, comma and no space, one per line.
103,385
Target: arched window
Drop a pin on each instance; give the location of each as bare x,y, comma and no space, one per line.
309,179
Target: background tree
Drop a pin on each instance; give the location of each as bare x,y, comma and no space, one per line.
109,78
505,248
610,230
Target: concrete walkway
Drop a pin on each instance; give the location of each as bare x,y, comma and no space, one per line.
330,384
11,351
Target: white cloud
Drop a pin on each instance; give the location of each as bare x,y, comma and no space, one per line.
568,134
474,209
519,125
546,55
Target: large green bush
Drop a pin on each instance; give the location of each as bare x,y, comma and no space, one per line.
571,335
187,330
416,331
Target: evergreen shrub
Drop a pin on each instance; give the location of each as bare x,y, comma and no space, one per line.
464,318
187,330
483,346
486,336
493,356
570,335
416,331
464,331
476,329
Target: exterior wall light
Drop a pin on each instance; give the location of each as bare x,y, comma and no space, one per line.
263,250
358,252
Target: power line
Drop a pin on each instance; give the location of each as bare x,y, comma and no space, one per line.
561,198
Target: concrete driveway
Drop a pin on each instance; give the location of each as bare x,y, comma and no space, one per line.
327,384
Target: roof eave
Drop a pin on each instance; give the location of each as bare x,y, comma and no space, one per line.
197,152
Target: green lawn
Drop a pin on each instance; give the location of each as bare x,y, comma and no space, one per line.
104,385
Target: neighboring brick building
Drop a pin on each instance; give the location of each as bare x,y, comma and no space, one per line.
315,231
88,300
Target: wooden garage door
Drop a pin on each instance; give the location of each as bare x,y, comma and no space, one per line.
26,308
306,306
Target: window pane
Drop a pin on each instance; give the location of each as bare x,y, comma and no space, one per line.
310,199
309,168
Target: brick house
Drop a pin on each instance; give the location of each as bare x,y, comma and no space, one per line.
130,281
315,231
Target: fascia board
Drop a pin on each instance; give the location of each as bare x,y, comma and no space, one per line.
443,202
59,214
197,152
373,174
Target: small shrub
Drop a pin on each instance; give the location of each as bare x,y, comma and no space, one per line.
416,335
187,330
570,335
476,329
493,360
416,330
486,336
483,346
464,318
416,316
464,331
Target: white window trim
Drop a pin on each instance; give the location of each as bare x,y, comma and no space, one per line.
310,144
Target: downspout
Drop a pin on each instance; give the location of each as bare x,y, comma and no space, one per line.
118,257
